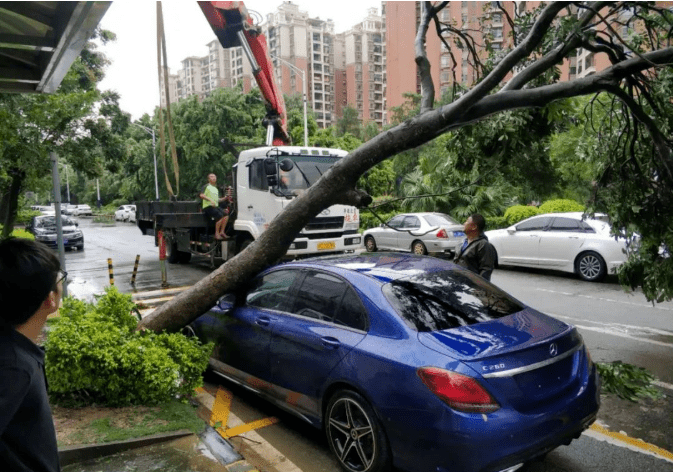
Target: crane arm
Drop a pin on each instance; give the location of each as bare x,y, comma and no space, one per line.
233,27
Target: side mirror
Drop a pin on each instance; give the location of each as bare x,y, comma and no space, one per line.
227,302
271,171
286,165
511,230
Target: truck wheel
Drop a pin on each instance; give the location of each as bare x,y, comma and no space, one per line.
172,253
184,257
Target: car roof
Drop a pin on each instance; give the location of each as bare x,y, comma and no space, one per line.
383,267
574,214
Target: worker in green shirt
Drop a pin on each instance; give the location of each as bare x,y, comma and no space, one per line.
211,199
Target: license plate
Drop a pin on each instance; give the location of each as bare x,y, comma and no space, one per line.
65,241
326,246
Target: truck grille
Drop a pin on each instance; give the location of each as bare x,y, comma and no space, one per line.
321,224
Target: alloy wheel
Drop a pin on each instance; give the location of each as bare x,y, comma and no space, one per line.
352,436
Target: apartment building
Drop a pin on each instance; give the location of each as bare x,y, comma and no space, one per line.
303,47
361,69
172,88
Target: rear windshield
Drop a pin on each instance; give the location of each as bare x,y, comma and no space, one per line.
448,299
439,220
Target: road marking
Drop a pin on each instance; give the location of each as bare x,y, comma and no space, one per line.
663,384
220,414
261,447
618,439
642,305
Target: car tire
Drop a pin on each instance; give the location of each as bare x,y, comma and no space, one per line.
590,266
370,244
355,435
417,247
184,257
80,248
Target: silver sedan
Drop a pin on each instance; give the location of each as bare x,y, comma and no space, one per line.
420,233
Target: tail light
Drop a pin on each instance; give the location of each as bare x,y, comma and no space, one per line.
460,392
442,234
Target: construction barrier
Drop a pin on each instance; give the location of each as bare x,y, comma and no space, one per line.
135,270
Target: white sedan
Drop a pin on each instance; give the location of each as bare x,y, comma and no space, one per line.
569,242
126,213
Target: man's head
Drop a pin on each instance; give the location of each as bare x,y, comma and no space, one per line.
29,277
212,179
474,225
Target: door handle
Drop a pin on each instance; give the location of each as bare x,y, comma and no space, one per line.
264,321
330,342
249,207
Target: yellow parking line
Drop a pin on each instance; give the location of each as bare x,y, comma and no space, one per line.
244,428
220,413
638,443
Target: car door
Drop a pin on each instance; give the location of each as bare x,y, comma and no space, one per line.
561,242
411,223
327,320
386,237
521,245
244,332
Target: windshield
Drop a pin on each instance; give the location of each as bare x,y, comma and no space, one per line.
305,172
50,222
448,299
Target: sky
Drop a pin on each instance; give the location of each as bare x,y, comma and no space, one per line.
133,71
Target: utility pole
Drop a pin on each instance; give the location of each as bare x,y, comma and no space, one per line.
154,152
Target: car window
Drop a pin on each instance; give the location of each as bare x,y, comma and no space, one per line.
411,222
272,291
565,224
351,313
258,176
586,227
120,208
396,222
534,224
319,296
448,299
440,220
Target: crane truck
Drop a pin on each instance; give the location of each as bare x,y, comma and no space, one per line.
265,179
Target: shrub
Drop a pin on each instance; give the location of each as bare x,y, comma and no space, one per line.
561,206
24,216
516,213
95,355
496,222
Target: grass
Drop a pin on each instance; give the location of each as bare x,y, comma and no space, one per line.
94,425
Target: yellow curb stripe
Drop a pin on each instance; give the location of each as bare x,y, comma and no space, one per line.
638,443
244,428
221,407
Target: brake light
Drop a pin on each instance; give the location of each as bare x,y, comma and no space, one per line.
459,391
442,234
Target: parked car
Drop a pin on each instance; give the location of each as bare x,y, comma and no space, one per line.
420,233
126,213
406,361
569,242
79,210
44,229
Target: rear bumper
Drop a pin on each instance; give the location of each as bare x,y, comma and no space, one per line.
305,246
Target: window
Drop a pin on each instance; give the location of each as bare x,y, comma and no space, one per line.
396,222
272,291
411,222
319,296
258,176
534,224
565,224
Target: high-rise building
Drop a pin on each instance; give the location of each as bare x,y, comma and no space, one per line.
361,69
298,43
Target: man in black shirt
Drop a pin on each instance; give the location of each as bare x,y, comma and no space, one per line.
476,253
31,284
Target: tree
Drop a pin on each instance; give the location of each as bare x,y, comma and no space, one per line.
638,81
66,122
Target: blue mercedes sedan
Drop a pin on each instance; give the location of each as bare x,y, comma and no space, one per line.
406,361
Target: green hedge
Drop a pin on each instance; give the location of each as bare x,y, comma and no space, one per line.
516,213
496,222
561,206
95,355
19,233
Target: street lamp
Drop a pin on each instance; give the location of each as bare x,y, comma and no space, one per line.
303,80
154,152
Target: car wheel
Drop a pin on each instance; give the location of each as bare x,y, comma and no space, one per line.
80,248
590,266
354,434
417,247
184,257
370,244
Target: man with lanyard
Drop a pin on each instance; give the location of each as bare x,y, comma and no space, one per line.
211,200
476,253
